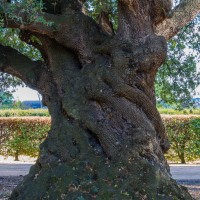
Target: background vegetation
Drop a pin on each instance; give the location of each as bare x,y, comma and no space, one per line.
22,136
184,135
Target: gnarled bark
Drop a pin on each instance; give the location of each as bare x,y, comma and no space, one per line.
107,138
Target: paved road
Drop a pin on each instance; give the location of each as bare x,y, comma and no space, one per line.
179,172
14,169
185,172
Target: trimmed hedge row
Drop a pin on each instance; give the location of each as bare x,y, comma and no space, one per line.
22,136
184,135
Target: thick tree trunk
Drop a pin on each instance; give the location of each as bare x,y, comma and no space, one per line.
107,138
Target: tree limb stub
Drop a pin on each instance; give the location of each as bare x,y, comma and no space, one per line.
178,18
36,27
136,18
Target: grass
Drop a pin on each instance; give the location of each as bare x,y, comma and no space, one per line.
168,111
22,113
45,113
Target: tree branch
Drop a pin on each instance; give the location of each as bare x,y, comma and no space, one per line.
72,29
36,27
13,62
178,18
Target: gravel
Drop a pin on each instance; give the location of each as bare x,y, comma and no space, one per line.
7,184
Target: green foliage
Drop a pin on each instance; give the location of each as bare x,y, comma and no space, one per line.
178,77
23,11
184,136
6,99
22,136
22,113
6,81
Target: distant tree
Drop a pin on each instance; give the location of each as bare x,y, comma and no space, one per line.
8,83
178,77
6,99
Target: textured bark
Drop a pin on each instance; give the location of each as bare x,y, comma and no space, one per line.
107,138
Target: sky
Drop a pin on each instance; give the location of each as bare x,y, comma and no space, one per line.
25,94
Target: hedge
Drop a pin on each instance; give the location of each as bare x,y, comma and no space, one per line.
22,136
184,135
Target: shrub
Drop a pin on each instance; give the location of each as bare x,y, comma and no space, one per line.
22,136
184,135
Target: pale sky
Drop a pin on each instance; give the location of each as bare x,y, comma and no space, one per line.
25,94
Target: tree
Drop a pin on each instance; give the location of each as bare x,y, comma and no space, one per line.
6,99
7,85
107,138
178,77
